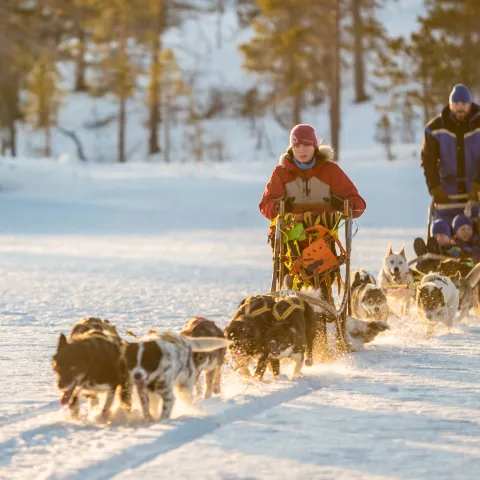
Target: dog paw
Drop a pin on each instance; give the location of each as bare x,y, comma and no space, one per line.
309,362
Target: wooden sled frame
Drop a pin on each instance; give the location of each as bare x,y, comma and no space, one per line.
279,269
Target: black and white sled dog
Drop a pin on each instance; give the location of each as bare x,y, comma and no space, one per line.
291,336
209,363
437,301
368,302
162,362
91,362
396,281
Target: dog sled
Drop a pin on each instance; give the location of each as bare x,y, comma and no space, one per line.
459,201
307,252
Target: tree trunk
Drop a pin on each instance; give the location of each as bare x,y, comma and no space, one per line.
12,132
335,84
297,110
220,13
48,142
80,64
122,116
359,54
154,122
167,119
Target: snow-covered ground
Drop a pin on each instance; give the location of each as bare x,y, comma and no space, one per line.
149,246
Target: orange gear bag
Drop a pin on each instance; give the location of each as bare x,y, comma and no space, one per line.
318,258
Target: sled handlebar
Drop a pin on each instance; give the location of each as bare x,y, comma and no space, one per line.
448,206
306,206
461,202
321,205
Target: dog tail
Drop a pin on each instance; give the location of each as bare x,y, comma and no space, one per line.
474,276
207,344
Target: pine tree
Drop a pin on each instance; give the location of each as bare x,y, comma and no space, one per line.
172,88
359,52
117,69
289,49
409,118
17,54
43,98
368,35
415,66
454,28
78,18
152,21
384,135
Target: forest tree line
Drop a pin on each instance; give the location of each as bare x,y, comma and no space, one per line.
306,53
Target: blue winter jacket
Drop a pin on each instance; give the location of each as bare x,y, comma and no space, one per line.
451,151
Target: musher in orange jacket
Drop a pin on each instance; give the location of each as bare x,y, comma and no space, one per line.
307,174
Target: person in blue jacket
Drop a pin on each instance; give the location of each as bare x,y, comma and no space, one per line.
464,237
451,151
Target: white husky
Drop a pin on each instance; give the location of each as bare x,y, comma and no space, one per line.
396,280
437,300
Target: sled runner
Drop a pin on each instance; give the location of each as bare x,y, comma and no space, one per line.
307,252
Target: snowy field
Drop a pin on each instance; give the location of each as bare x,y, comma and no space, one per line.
147,246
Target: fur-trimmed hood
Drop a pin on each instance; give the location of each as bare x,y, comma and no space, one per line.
325,154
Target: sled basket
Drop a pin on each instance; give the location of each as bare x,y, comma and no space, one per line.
318,259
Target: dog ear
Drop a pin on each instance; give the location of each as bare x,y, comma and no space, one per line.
389,251
357,277
402,252
62,342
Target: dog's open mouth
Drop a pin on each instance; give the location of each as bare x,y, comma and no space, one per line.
67,394
396,276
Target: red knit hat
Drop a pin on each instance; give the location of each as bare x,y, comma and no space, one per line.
303,134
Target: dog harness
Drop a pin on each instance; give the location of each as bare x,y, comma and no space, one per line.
249,312
293,305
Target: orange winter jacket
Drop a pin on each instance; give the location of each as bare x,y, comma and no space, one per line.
314,185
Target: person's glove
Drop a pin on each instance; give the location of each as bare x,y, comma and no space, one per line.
474,193
289,204
439,195
337,203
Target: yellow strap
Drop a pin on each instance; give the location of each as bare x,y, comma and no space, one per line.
416,270
396,285
293,306
255,313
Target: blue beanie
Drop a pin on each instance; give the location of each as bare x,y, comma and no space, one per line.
441,226
459,221
460,93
